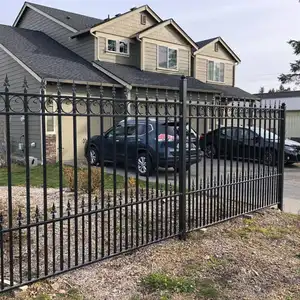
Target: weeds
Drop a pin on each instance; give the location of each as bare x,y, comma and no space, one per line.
165,284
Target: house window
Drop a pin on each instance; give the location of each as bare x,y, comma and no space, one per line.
116,46
216,47
216,71
50,126
143,19
167,58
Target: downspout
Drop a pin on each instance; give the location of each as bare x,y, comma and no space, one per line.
95,45
141,52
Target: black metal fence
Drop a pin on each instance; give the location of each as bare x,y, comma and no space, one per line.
167,166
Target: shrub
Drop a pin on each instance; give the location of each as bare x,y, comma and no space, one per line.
83,179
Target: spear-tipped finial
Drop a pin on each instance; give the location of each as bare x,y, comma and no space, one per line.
73,87
25,84
43,84
6,82
58,86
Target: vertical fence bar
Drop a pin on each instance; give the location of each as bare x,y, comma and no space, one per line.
88,111
74,106
44,159
182,155
60,175
102,172
28,202
9,191
281,156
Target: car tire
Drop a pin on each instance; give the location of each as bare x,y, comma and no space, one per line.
210,151
93,156
144,164
268,158
187,168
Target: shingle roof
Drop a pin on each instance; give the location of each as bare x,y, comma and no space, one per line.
76,21
203,43
234,92
48,58
137,77
286,94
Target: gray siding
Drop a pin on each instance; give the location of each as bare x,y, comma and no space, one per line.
85,46
16,76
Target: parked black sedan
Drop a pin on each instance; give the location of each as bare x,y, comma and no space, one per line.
251,143
147,148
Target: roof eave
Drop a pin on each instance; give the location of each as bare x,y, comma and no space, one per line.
237,59
175,25
81,82
172,88
141,8
43,14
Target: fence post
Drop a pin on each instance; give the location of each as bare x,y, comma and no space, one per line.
182,157
281,156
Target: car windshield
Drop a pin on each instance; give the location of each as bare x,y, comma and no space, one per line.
265,133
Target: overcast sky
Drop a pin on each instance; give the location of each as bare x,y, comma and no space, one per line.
257,30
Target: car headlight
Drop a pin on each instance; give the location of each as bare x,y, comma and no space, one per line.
289,148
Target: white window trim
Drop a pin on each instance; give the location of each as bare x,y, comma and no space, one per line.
118,47
167,69
209,80
50,132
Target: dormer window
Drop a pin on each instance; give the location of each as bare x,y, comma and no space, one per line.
120,47
216,47
143,19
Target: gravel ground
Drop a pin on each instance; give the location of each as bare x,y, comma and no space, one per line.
249,259
92,234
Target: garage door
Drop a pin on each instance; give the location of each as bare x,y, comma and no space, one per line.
81,132
292,124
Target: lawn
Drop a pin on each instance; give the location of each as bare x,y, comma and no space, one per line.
36,177
246,259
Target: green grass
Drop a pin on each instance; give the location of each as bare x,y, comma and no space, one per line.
162,282
158,282
36,177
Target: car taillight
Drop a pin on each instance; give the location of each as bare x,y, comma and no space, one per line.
165,138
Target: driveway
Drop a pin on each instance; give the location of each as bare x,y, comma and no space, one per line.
291,177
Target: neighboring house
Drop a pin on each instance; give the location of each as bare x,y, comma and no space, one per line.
136,51
292,101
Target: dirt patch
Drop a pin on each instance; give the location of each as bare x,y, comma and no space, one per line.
249,259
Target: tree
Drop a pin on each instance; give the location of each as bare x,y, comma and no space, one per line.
261,90
294,76
272,91
281,88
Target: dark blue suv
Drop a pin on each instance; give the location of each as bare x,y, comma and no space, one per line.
160,149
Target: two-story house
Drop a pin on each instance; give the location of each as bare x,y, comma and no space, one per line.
136,52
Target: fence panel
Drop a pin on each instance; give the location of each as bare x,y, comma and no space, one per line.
120,173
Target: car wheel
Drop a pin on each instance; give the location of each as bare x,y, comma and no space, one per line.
268,158
93,156
210,151
144,164
187,168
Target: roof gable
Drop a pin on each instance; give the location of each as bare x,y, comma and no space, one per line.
172,23
119,17
204,43
72,21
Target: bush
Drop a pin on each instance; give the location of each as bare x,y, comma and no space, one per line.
83,179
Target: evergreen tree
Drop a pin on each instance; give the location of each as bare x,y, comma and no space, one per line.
294,76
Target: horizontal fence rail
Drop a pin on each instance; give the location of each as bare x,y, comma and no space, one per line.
89,175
